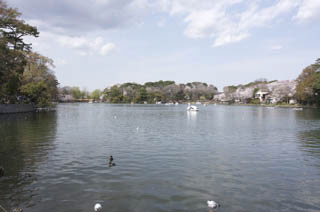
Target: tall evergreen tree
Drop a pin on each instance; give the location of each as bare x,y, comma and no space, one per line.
13,51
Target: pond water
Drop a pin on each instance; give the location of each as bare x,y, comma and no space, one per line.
167,159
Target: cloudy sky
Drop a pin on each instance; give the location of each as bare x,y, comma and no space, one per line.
97,43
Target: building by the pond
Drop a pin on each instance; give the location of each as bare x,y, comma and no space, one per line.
264,92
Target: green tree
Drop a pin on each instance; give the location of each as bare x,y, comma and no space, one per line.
202,99
308,84
37,77
95,95
180,96
76,93
37,93
159,84
115,95
13,51
84,94
142,96
255,91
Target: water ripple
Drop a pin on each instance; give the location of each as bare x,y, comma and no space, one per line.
246,158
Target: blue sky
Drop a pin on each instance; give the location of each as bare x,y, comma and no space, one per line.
98,43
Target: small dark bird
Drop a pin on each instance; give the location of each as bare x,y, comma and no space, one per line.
1,171
111,161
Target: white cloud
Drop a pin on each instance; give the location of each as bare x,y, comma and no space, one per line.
85,46
309,9
63,16
74,42
107,48
225,21
222,21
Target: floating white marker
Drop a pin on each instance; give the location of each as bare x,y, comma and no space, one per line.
212,204
137,128
97,207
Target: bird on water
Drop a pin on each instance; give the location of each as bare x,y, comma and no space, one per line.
111,161
97,207
213,205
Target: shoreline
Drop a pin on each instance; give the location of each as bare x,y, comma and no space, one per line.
208,103
29,108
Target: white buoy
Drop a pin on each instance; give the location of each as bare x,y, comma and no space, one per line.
212,204
97,207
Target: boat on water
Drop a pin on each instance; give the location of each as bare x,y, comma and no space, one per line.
298,108
192,108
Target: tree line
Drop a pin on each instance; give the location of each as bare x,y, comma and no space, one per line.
149,92
160,91
78,94
305,89
25,76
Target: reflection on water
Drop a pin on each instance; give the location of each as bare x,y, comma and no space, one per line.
25,140
192,115
310,143
167,159
308,114
309,136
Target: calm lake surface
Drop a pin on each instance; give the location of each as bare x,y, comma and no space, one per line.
167,159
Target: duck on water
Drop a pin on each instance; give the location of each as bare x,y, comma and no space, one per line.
213,205
111,161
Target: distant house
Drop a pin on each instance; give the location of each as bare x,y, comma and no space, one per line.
292,101
261,95
273,100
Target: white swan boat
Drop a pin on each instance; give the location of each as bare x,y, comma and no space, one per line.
192,108
298,108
